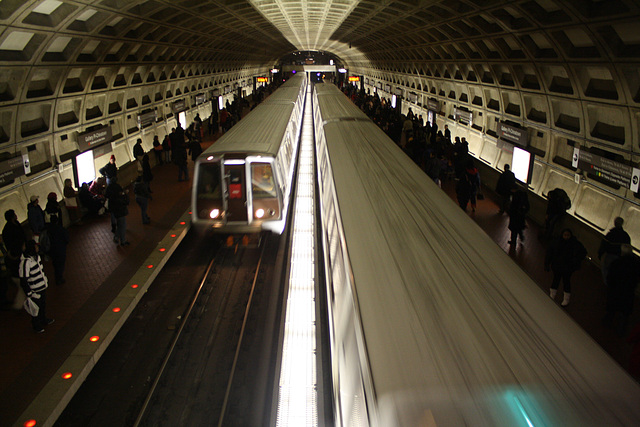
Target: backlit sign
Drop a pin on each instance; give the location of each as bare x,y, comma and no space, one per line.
354,78
262,79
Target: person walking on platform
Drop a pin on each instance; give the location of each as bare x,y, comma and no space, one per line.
118,205
564,257
59,239
610,246
110,170
157,149
138,150
518,210
473,176
35,216
506,183
147,175
166,149
622,280
141,191
34,284
14,239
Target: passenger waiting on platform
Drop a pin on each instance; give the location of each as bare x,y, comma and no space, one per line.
506,183
14,239
432,168
110,170
141,191
157,149
91,202
518,210
118,207
138,151
473,176
59,239
622,280
71,200
34,284
147,176
610,246
557,205
98,187
463,191
195,149
35,216
564,257
166,149
52,208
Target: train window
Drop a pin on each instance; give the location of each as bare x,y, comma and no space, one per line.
262,184
209,184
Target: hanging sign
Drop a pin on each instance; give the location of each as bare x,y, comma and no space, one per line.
147,118
262,79
433,105
11,169
94,138
512,134
607,169
179,106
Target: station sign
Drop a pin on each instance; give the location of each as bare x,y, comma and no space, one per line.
512,134
262,79
94,138
201,98
413,97
387,88
433,105
179,106
399,91
354,78
607,169
463,115
146,119
13,168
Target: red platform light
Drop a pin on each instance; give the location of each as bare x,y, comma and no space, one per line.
30,423
173,235
162,249
150,266
116,309
67,375
182,223
94,338
134,286
190,213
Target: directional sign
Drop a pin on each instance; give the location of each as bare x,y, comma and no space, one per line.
607,169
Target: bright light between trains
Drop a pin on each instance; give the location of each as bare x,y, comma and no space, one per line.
297,397
214,213
259,213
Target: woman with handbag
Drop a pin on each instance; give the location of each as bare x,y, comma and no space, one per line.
34,283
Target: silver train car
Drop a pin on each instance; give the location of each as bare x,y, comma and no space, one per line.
242,183
431,323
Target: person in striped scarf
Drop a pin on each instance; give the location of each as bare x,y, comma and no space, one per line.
34,283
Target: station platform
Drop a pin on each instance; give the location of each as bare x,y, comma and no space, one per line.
101,275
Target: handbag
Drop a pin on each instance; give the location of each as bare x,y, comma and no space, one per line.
31,307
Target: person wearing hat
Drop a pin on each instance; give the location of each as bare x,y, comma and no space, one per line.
35,216
110,170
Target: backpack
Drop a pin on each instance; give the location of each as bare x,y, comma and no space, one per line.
45,241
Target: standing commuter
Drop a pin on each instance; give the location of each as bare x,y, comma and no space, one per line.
14,239
610,246
59,238
157,149
110,170
52,208
557,205
34,284
518,210
506,183
564,257
118,205
622,280
141,191
138,150
35,216
166,148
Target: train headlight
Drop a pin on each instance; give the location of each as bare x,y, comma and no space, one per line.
215,213
259,213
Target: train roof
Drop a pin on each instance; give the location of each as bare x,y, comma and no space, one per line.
451,323
260,131
332,110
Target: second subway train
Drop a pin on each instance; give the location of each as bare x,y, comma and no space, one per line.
431,323
242,182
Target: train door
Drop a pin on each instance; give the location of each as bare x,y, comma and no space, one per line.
236,192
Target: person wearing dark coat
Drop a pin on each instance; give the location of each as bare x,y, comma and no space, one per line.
14,239
195,149
622,280
147,176
473,176
610,246
564,257
110,170
557,205
518,210
59,238
138,150
506,183
463,191
143,195
35,216
52,208
118,202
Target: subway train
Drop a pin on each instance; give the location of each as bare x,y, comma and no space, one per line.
242,183
431,323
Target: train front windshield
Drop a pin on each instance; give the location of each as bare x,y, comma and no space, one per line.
209,196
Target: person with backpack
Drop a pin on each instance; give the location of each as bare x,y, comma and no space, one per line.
564,257
518,209
58,237
558,204
34,283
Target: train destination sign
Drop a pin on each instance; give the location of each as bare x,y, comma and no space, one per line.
354,78
433,105
262,80
512,134
89,140
607,169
